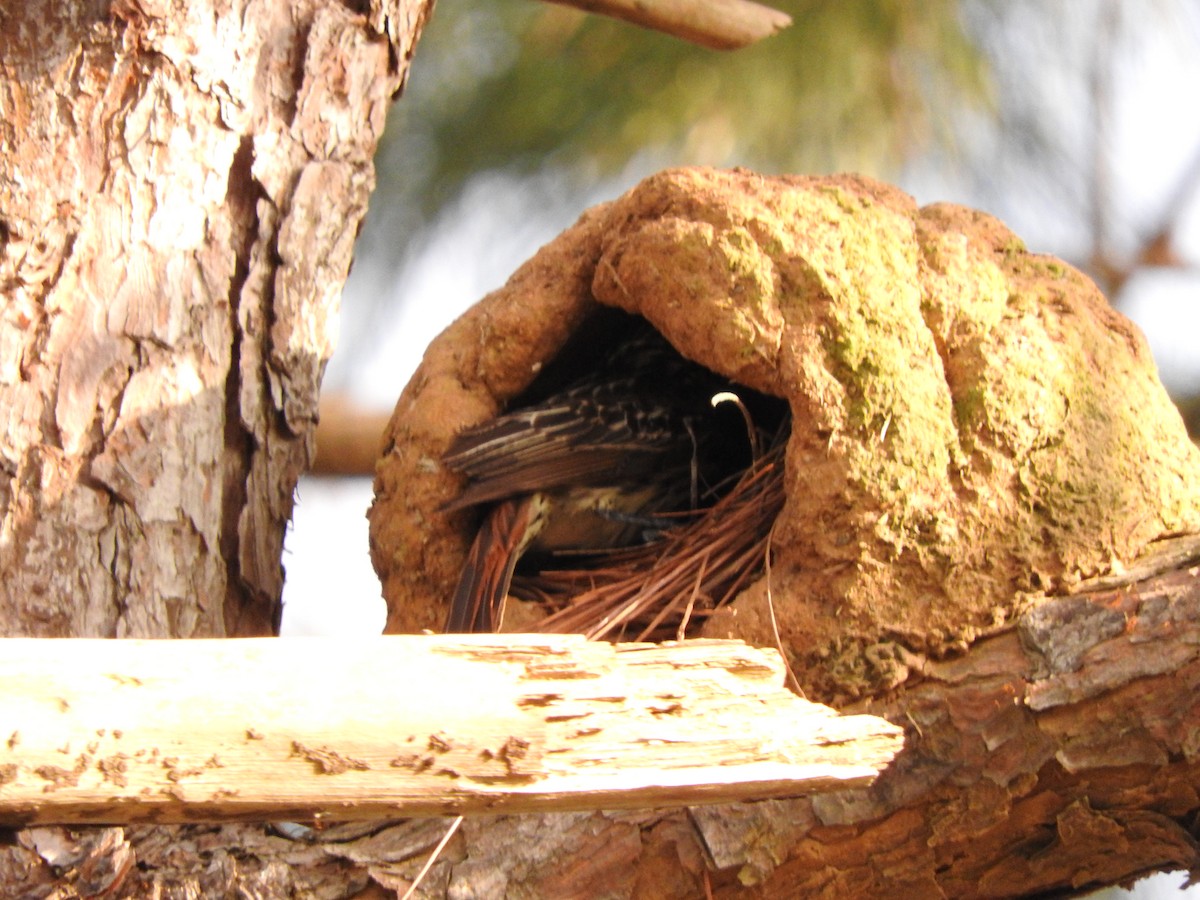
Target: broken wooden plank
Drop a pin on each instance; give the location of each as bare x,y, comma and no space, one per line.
96,731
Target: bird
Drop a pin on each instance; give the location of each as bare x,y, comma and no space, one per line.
589,467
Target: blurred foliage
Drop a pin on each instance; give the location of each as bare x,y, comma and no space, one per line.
518,86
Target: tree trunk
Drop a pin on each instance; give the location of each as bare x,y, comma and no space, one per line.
180,189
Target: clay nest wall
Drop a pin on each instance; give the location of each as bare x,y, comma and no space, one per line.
973,425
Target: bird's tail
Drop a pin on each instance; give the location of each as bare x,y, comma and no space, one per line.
478,603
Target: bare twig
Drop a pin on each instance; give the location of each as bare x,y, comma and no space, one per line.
795,682
433,857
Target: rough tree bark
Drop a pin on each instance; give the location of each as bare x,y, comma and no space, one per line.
180,188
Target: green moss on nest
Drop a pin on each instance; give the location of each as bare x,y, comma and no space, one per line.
954,387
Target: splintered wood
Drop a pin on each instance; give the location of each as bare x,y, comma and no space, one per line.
98,731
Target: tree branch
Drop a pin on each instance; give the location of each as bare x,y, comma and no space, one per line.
1060,753
348,437
717,24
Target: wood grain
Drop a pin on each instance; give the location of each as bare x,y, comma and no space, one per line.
186,731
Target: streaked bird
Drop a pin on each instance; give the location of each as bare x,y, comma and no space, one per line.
591,467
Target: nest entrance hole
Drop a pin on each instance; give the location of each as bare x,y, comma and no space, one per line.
692,560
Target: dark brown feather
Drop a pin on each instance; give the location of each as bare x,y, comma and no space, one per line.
514,457
478,600
631,417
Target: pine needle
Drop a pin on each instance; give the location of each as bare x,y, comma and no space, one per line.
657,590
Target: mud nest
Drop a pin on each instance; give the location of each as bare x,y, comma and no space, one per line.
972,426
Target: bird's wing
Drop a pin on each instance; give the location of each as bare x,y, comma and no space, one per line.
569,439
